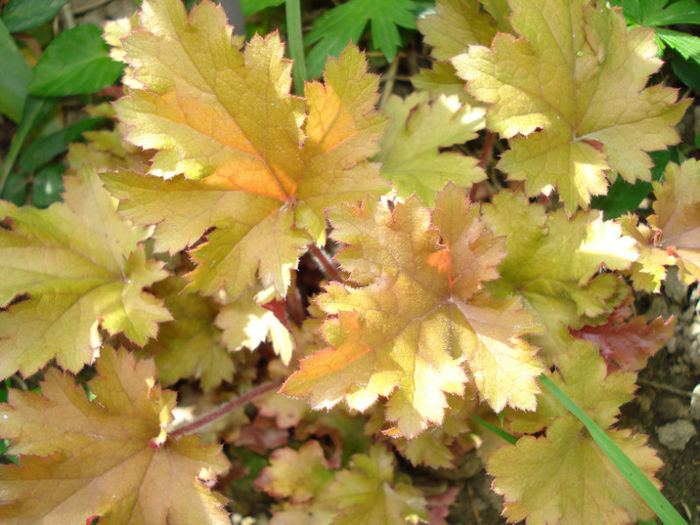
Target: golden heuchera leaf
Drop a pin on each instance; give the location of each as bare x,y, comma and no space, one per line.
578,76
371,492
418,325
563,477
82,266
672,236
190,345
417,129
246,323
553,262
299,475
259,164
109,458
455,25
649,270
677,216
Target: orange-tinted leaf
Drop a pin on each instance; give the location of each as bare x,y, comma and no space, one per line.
260,164
110,457
418,326
677,216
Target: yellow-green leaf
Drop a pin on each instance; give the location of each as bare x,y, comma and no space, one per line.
530,474
417,130
190,345
82,267
553,262
573,87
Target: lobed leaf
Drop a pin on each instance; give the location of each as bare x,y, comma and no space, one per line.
369,492
226,120
341,25
531,474
553,262
410,148
75,282
190,345
109,458
677,216
417,324
455,26
629,345
573,86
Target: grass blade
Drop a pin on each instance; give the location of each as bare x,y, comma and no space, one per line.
658,503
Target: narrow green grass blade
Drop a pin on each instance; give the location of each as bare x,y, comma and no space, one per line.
658,503
296,44
510,438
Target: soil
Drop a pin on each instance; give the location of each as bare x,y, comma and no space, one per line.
662,410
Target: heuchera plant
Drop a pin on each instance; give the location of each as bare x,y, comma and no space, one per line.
451,293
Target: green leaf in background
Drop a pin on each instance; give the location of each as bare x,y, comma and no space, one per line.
77,62
20,15
337,27
14,78
48,185
41,151
15,189
5,443
34,112
652,13
688,46
688,72
683,12
623,196
250,7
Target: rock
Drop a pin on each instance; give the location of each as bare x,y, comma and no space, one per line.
695,330
673,288
677,434
693,354
672,408
695,403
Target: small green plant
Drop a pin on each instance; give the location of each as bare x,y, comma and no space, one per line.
76,62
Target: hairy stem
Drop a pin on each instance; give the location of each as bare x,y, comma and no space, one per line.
224,409
488,146
328,267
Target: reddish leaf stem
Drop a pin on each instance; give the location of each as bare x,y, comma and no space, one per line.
224,409
488,146
329,268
